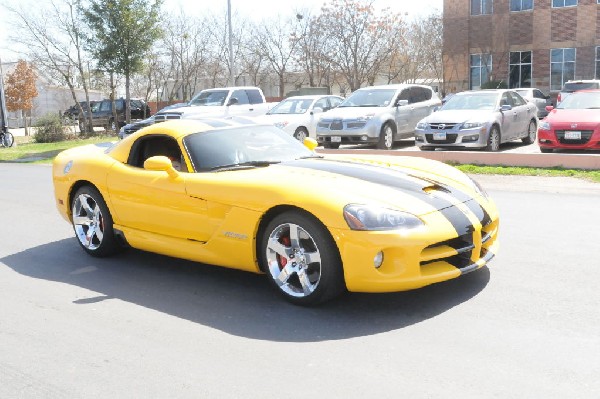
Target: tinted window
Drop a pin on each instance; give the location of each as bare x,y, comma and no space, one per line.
254,96
538,94
419,94
241,96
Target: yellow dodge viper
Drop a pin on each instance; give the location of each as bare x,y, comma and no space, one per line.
251,197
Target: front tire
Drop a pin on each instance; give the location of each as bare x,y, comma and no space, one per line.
8,139
301,259
493,143
300,134
386,137
531,132
92,223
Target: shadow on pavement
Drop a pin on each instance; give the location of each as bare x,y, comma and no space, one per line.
238,303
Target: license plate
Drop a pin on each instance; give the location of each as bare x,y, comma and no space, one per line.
572,135
336,139
439,136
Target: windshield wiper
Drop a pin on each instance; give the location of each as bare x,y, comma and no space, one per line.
311,157
247,164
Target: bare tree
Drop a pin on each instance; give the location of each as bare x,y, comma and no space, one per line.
53,37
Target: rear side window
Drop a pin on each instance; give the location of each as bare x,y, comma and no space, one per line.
241,96
419,94
575,86
254,96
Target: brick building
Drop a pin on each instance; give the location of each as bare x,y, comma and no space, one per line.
523,43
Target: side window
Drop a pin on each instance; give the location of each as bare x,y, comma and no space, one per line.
241,96
322,103
419,94
517,100
334,101
105,106
254,97
538,94
120,105
404,95
150,146
505,100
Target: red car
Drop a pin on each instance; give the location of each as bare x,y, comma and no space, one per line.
574,124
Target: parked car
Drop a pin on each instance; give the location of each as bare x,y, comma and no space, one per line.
479,119
102,115
574,123
378,115
254,198
71,114
575,85
135,126
537,97
299,115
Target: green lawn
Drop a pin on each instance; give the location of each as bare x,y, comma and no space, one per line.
26,151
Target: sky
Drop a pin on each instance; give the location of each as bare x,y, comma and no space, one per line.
256,9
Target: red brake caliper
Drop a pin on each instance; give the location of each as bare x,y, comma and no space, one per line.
285,240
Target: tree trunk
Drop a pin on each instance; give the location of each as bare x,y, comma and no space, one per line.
127,98
112,98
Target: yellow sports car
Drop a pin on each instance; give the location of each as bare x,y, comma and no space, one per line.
251,197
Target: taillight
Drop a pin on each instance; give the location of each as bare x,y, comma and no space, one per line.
558,98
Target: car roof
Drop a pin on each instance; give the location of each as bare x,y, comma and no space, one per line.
310,97
393,86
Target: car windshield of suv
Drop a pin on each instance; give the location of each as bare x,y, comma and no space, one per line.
370,98
581,100
291,106
472,101
210,98
575,86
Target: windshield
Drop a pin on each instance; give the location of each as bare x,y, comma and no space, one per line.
471,101
291,106
245,146
581,100
571,87
210,98
370,98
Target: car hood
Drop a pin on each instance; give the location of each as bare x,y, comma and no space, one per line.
352,112
331,183
457,116
275,118
573,116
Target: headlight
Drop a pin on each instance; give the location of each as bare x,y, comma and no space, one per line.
365,217
544,125
422,125
472,125
365,117
281,125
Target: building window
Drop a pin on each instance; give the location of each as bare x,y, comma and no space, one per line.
563,3
521,5
481,69
562,67
480,7
520,69
598,60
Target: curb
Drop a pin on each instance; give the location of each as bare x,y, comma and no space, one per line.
569,161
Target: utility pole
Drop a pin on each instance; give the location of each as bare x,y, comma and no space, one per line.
231,68
3,113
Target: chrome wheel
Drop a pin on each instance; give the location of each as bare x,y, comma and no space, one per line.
88,222
93,222
294,260
386,138
301,134
493,140
531,132
8,139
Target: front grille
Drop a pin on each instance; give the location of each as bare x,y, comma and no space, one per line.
442,126
450,139
337,124
463,247
585,137
167,115
356,125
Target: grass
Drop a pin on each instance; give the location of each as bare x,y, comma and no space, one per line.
25,150
28,151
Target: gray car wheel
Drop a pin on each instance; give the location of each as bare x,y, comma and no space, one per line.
300,134
386,137
493,143
93,222
301,259
531,132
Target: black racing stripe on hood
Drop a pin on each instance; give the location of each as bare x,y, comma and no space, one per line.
408,184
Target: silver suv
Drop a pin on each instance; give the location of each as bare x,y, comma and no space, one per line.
377,114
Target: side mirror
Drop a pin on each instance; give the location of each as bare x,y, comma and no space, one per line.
310,143
505,107
233,101
549,108
402,103
160,163
436,109
316,110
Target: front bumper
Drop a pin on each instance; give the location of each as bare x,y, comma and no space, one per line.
555,139
463,138
348,131
416,259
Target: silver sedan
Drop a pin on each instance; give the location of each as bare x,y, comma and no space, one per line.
480,119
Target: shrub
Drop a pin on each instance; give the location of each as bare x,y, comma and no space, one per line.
50,129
